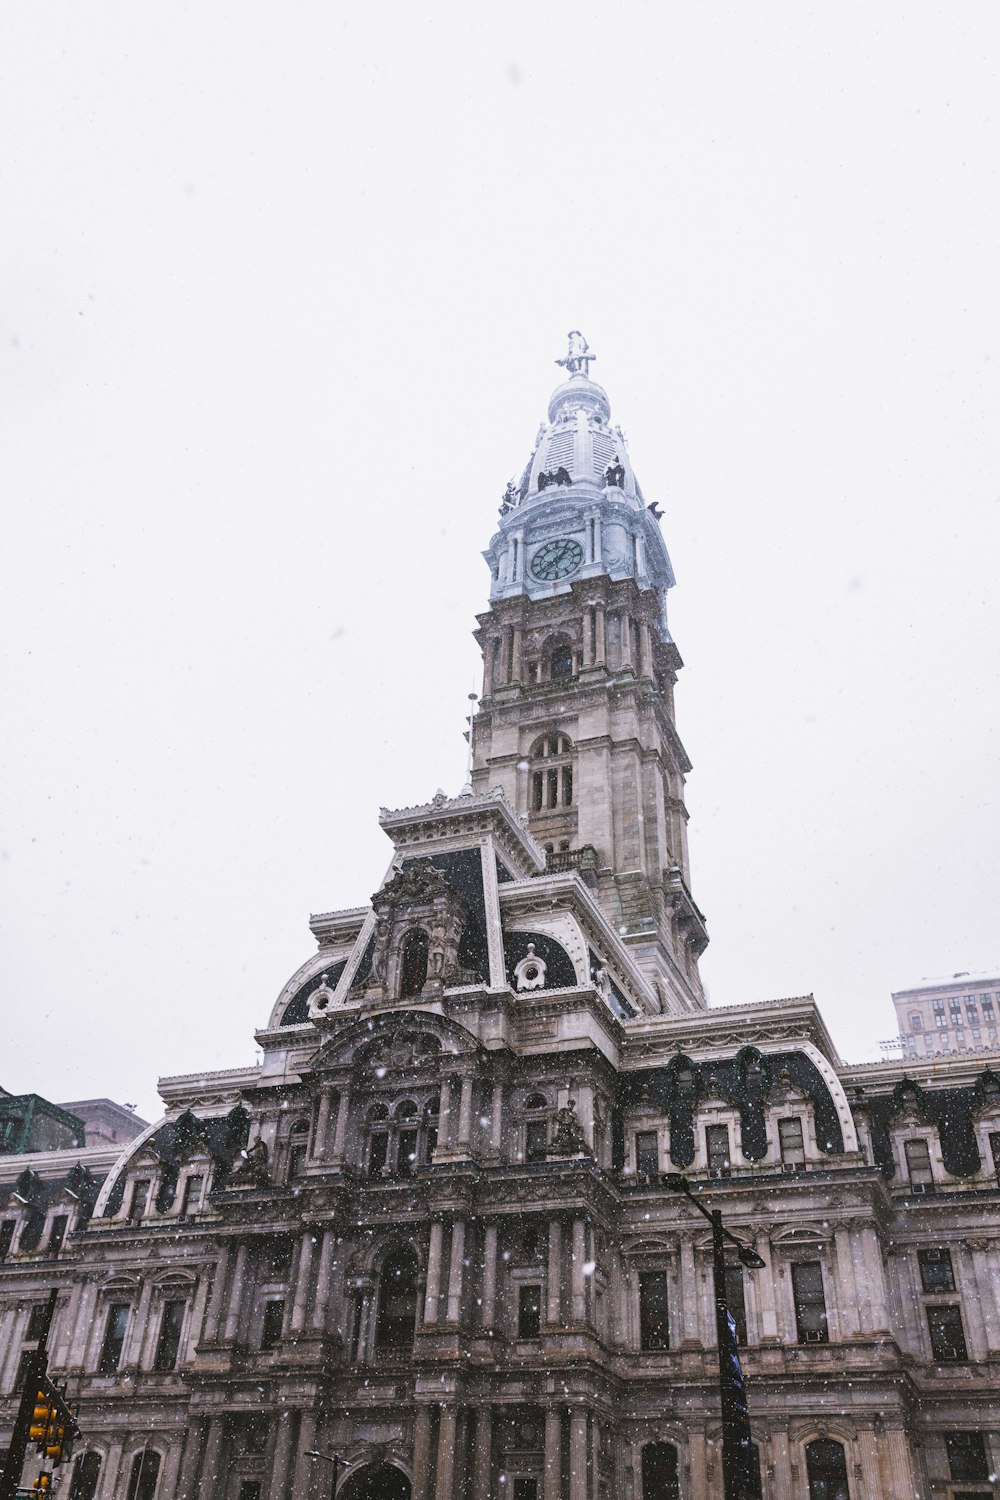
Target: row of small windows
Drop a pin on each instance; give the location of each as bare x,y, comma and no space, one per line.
920,1170
397,1143
718,1154
144,1474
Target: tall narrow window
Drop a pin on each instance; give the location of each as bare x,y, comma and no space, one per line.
378,1151
967,1455
191,1201
654,1327
7,1228
169,1342
144,1473
397,1301
114,1338
737,1301
810,1302
57,1233
86,1472
37,1319
536,1140
659,1472
826,1470
793,1150
561,662
413,965
936,1273
298,1149
944,1323
529,1312
717,1148
274,1317
525,1487
137,1203
918,1165
994,1152
647,1153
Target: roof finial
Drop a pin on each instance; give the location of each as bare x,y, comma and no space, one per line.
578,356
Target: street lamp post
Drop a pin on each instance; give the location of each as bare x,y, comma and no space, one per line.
333,1459
739,1472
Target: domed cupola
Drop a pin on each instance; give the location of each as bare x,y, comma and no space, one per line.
578,488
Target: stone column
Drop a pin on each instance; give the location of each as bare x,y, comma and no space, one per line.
489,1308
482,1462
506,640
465,1116
689,1292
132,1354
870,1465
767,1312
577,1455
578,1280
340,1133
553,1308
235,1305
515,655
781,1487
446,1120
600,635
303,1284
324,1277
588,644
552,1486
901,1466
281,1463
109,1471
312,1478
847,1294
871,1251
212,1474
433,1272
364,1322
187,1481
626,638
421,1453
496,1120
455,1271
488,666
213,1315
322,1122
447,1432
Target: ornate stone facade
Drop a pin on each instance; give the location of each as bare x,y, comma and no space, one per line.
429,1235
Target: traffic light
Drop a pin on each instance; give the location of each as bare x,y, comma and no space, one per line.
41,1419
43,1484
56,1439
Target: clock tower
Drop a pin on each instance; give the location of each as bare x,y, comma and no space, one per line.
576,719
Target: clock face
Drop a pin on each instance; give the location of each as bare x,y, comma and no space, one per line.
557,559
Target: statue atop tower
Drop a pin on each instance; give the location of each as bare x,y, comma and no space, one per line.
578,356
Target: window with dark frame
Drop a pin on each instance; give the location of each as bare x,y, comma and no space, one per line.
274,1317
654,1323
791,1142
406,1152
826,1470
250,1489
57,1233
994,1150
169,1342
137,1202
378,1151
86,1472
647,1153
918,1164
36,1321
525,1487
396,1319
536,1140
659,1472
967,1457
114,1338
191,1201
944,1323
143,1475
298,1150
810,1302
717,1148
529,1311
936,1273
7,1227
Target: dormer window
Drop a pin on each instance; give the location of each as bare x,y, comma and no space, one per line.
413,968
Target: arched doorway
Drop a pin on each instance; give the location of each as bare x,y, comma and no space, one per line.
375,1482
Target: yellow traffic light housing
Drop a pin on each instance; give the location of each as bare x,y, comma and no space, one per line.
41,1420
43,1484
56,1440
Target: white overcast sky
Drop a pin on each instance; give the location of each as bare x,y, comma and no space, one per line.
282,291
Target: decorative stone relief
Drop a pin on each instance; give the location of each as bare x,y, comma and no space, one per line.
529,974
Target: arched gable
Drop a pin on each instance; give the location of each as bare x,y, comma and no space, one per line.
396,1038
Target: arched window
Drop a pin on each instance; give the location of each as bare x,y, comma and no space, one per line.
86,1472
413,964
407,1137
536,1127
659,1472
144,1473
826,1470
397,1301
551,773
